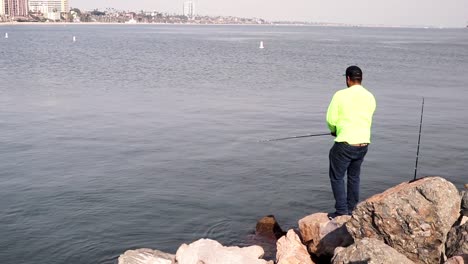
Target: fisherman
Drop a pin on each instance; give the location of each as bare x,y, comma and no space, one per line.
349,119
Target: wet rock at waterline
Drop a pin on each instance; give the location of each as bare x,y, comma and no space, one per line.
413,218
268,227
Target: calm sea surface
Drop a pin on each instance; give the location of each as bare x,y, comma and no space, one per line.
146,136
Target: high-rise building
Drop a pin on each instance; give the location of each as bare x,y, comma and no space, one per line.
65,6
2,7
49,6
189,9
16,8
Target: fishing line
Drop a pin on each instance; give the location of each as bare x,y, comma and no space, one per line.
295,137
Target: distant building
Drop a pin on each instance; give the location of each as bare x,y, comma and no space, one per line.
189,9
2,7
16,8
47,7
65,6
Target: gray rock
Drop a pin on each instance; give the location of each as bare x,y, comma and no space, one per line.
464,204
414,218
457,241
146,256
369,251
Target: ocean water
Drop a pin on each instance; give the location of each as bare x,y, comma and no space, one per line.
147,136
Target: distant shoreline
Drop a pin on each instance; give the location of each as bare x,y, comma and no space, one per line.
190,24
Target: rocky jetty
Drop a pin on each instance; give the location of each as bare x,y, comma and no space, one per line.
423,221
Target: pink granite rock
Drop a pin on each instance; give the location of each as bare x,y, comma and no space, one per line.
322,235
290,250
413,218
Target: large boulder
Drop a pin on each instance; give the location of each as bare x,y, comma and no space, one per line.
413,218
369,251
290,250
457,241
207,251
146,256
268,227
323,235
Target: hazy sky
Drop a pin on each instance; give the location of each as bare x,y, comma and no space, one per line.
446,13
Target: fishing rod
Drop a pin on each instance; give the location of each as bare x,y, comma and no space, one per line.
419,141
295,137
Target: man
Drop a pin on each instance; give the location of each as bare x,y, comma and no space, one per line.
349,119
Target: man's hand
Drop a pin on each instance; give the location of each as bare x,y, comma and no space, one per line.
333,134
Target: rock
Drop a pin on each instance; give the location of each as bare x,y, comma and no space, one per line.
269,227
309,226
463,220
290,250
458,260
207,251
413,218
457,241
146,256
369,251
323,235
464,205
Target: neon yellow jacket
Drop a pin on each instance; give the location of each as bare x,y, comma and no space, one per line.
350,115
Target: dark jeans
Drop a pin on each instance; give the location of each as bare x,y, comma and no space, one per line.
345,158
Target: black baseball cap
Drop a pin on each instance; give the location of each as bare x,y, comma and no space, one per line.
354,72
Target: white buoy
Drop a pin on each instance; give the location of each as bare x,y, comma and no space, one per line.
6,35
261,45
74,39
